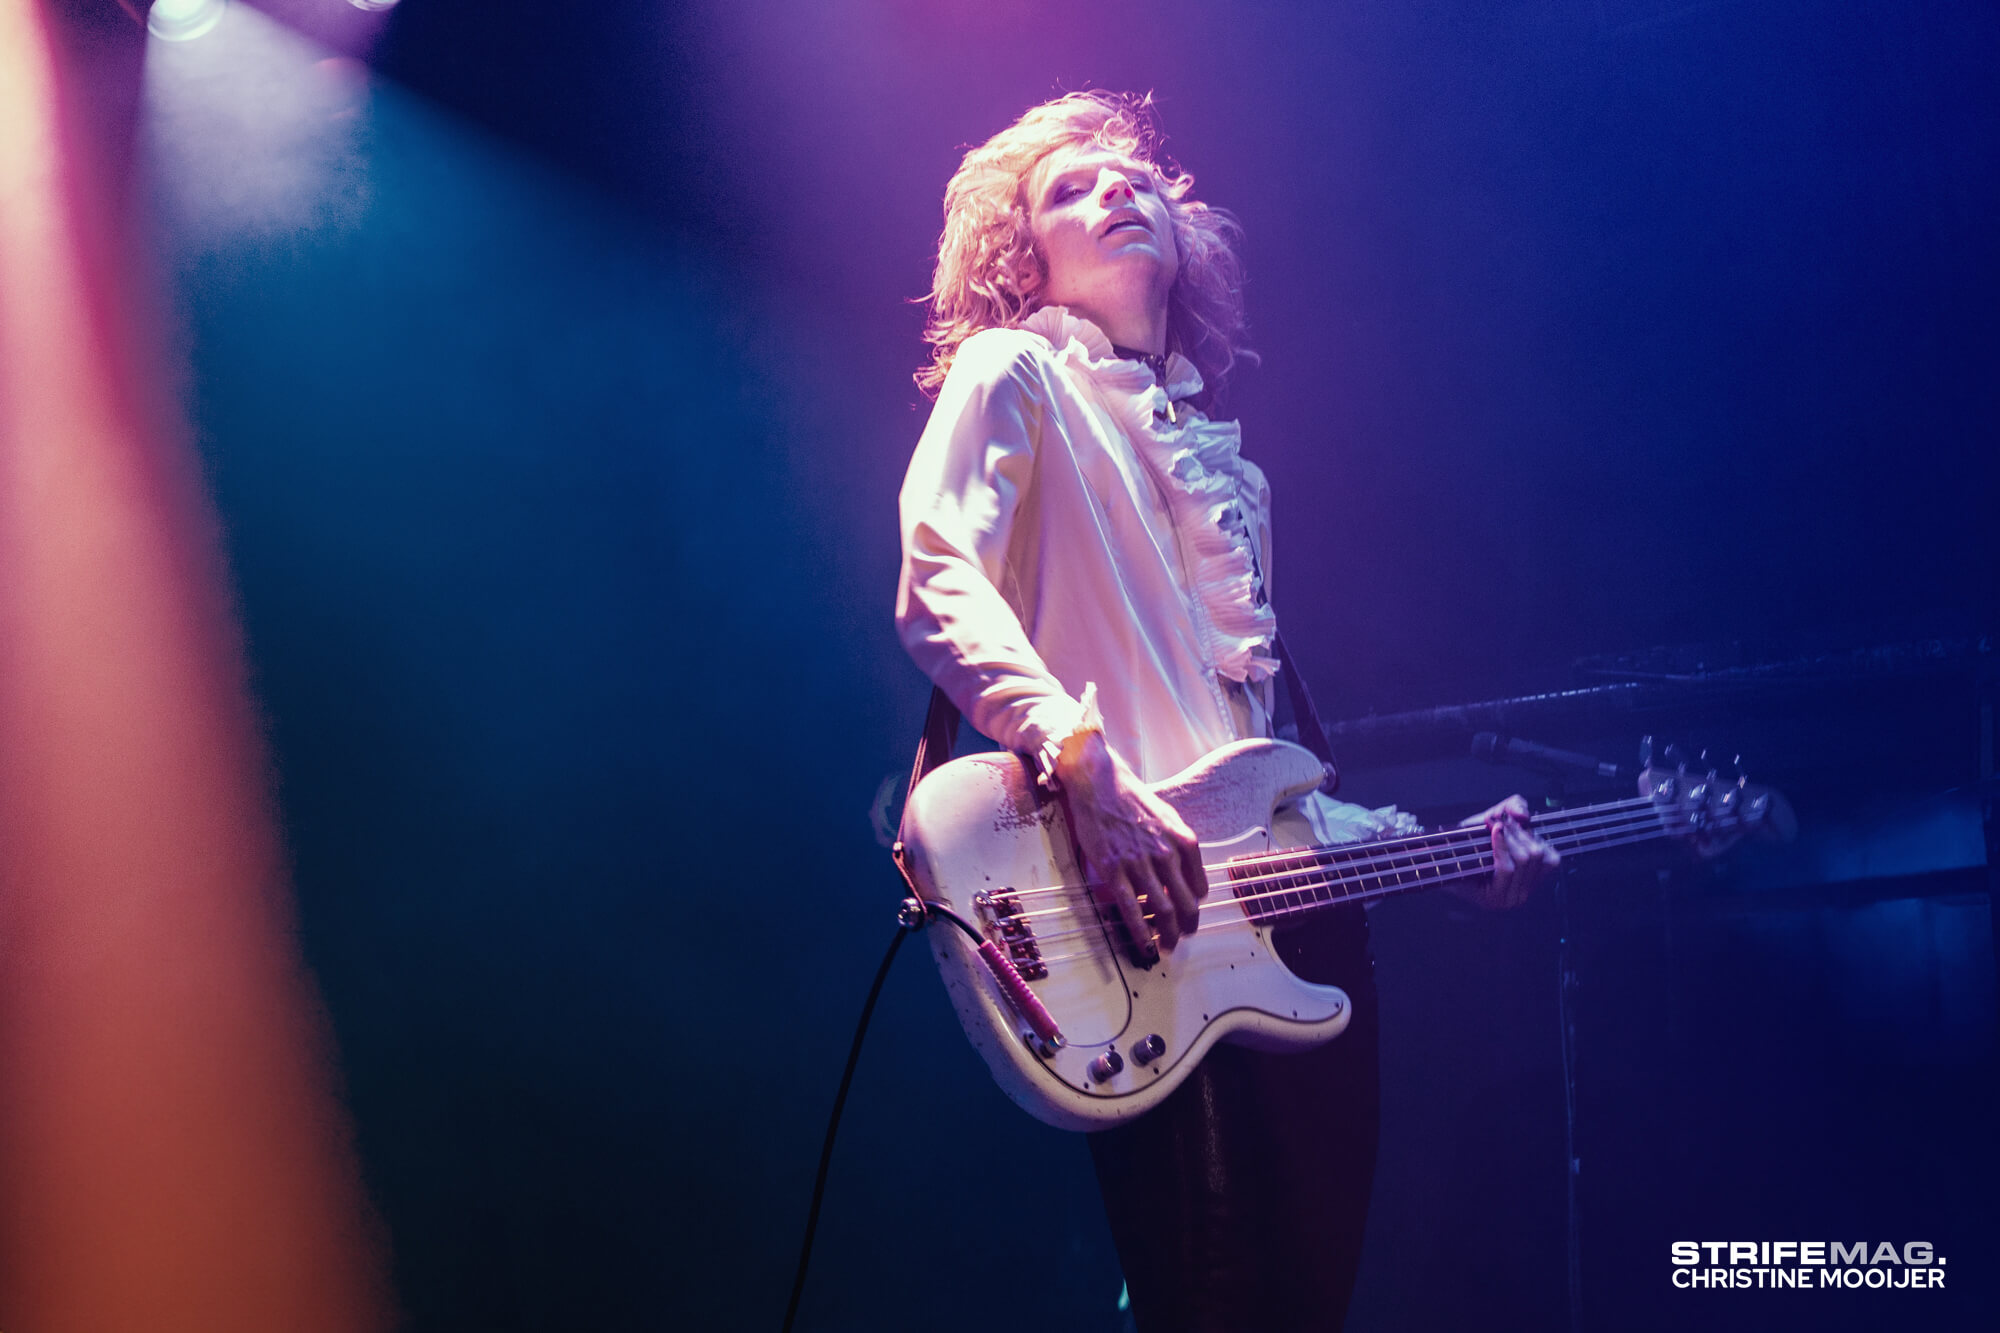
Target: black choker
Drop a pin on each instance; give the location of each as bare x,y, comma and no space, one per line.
1156,364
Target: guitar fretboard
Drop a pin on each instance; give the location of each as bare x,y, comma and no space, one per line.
1275,886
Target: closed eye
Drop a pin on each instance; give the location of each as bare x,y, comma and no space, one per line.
1066,189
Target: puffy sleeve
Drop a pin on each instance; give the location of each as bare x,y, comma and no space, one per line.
972,468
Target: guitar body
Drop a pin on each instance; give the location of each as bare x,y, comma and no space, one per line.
1083,1038
982,839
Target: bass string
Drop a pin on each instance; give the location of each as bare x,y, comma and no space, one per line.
1578,836
1363,857
1239,922
1635,826
1555,824
1437,872
1386,874
1555,821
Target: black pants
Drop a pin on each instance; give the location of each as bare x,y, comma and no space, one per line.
1239,1203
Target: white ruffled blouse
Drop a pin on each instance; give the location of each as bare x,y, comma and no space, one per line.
1063,529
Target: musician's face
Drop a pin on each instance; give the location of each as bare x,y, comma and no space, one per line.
1102,231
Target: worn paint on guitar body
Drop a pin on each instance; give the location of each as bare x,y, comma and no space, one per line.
981,825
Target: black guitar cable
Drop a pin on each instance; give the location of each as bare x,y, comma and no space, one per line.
903,928
914,914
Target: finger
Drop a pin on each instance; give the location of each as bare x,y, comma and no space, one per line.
1118,896
1178,865
1174,879
1193,868
1159,904
1545,861
1515,807
1504,863
1530,857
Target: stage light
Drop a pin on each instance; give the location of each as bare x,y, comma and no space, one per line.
183,20
254,131
373,6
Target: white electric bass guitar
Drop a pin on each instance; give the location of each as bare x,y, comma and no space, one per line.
1079,1035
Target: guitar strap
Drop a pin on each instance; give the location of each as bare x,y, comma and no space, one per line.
941,727
934,746
1306,727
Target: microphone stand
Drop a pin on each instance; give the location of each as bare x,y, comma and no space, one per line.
1572,1163
1555,765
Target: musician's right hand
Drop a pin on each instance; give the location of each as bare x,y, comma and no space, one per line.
1141,858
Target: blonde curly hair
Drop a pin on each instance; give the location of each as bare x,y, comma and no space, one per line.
987,253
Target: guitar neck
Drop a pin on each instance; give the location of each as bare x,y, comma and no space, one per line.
1306,880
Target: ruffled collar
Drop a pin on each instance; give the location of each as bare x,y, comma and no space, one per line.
1199,464
1084,345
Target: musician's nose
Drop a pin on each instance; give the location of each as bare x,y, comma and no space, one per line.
1117,190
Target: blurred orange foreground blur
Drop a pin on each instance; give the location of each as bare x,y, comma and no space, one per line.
173,1149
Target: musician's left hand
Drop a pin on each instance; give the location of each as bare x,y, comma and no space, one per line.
1522,862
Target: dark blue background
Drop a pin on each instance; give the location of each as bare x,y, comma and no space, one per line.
558,476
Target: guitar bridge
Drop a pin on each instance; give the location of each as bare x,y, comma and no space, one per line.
1003,922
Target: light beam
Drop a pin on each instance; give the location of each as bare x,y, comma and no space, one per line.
183,20
175,1157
